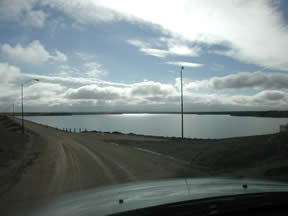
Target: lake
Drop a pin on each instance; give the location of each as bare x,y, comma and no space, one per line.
195,126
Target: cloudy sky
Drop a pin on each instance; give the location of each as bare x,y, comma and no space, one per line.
104,55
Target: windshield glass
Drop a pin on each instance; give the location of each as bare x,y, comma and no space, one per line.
100,93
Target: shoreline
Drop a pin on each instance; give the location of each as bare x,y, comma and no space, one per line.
143,135
264,114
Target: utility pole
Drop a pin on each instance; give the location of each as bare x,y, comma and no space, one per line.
182,128
22,113
22,109
13,111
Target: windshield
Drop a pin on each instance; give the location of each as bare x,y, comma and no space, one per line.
101,93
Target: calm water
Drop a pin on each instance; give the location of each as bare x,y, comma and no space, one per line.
195,126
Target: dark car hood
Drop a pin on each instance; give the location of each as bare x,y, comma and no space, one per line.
106,200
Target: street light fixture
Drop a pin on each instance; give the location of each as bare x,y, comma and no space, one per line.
22,109
182,129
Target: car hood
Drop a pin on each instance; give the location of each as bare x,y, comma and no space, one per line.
124,197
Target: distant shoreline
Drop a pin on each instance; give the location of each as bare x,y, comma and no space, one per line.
272,113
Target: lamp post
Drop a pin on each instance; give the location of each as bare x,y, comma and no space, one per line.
182,128
22,109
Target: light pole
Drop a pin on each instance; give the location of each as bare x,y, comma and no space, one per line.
22,109
182,129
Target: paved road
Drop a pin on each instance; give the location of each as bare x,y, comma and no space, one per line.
72,162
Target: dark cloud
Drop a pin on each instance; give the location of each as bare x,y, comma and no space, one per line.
258,80
273,98
151,88
273,95
94,92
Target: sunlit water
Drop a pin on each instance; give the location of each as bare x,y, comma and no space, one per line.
195,126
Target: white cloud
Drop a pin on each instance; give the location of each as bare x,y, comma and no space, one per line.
85,56
66,71
94,69
136,91
146,48
34,18
152,88
76,81
95,92
43,93
59,56
195,85
148,93
254,31
14,8
185,64
83,12
71,91
32,53
8,73
23,12
172,47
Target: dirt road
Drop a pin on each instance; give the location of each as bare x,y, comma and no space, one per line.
73,162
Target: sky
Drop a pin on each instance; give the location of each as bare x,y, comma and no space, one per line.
125,55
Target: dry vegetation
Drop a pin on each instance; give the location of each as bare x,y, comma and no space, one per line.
16,152
252,156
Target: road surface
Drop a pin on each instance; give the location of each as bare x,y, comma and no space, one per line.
72,162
